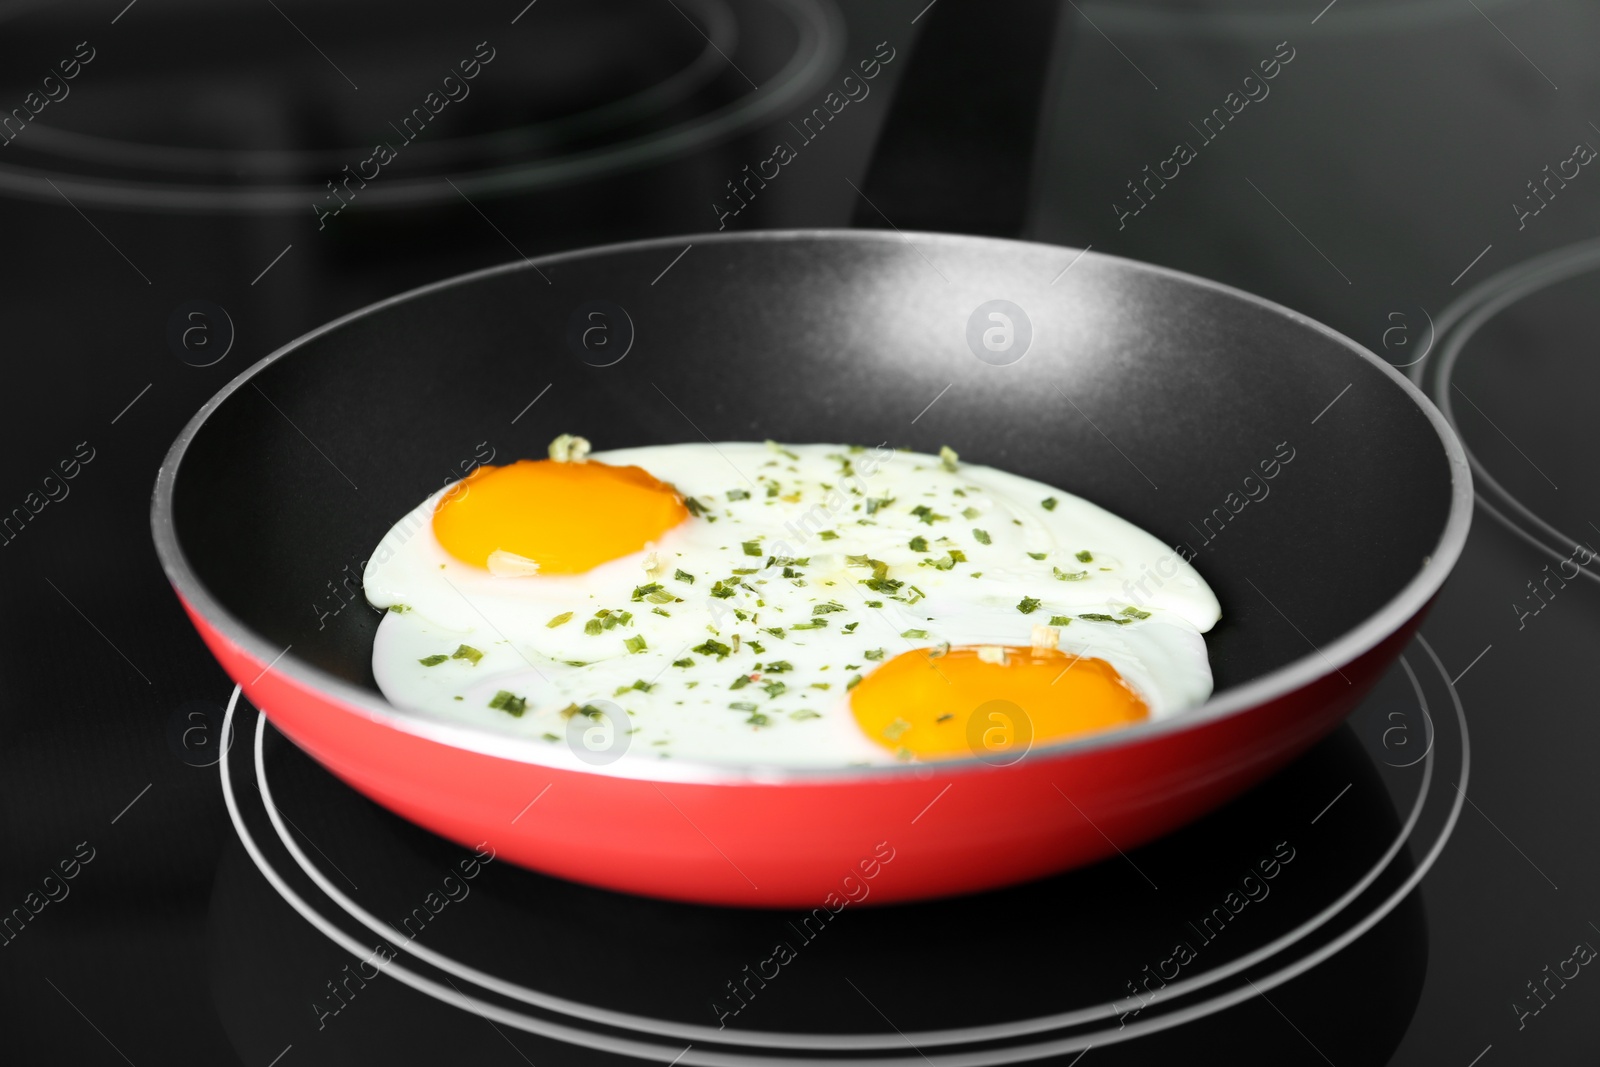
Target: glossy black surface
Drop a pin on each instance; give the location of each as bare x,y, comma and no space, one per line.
1379,181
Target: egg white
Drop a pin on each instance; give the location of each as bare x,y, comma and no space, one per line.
686,712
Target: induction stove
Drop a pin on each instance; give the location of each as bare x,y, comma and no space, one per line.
1414,174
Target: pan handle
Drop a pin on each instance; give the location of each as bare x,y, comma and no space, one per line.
957,148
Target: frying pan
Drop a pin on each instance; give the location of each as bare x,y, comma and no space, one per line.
1160,396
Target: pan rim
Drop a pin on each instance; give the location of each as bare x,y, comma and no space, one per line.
1299,673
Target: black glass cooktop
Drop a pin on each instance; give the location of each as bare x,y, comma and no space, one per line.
185,187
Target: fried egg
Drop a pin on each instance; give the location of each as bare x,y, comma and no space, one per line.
790,605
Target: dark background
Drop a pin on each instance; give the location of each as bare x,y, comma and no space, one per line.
1374,186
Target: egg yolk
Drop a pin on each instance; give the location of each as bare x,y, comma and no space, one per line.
964,704
566,517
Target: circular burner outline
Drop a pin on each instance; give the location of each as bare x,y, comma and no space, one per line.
1458,323
818,23
721,34
981,1058
780,1039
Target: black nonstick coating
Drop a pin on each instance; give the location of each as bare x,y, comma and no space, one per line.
1162,398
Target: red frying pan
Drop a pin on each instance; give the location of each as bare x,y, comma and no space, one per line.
1160,396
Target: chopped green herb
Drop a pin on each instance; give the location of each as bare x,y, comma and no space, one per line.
1135,613
1048,503
684,662
723,590
803,714
827,607
751,548
756,647
635,643
739,682
855,680
433,661
948,457
874,603
828,535
775,689
1059,620
821,685
946,717
743,705
1069,576
778,666
606,619
1028,605
467,652
970,513
879,502
895,729
981,536
775,631
642,686
399,609
712,647
1086,556
1098,617
1037,555
873,654
919,544
809,624
738,494
914,634
683,576
694,506
757,719
508,702
565,616
850,627
926,514
662,611
780,450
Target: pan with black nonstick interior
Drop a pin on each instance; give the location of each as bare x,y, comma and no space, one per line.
1315,490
